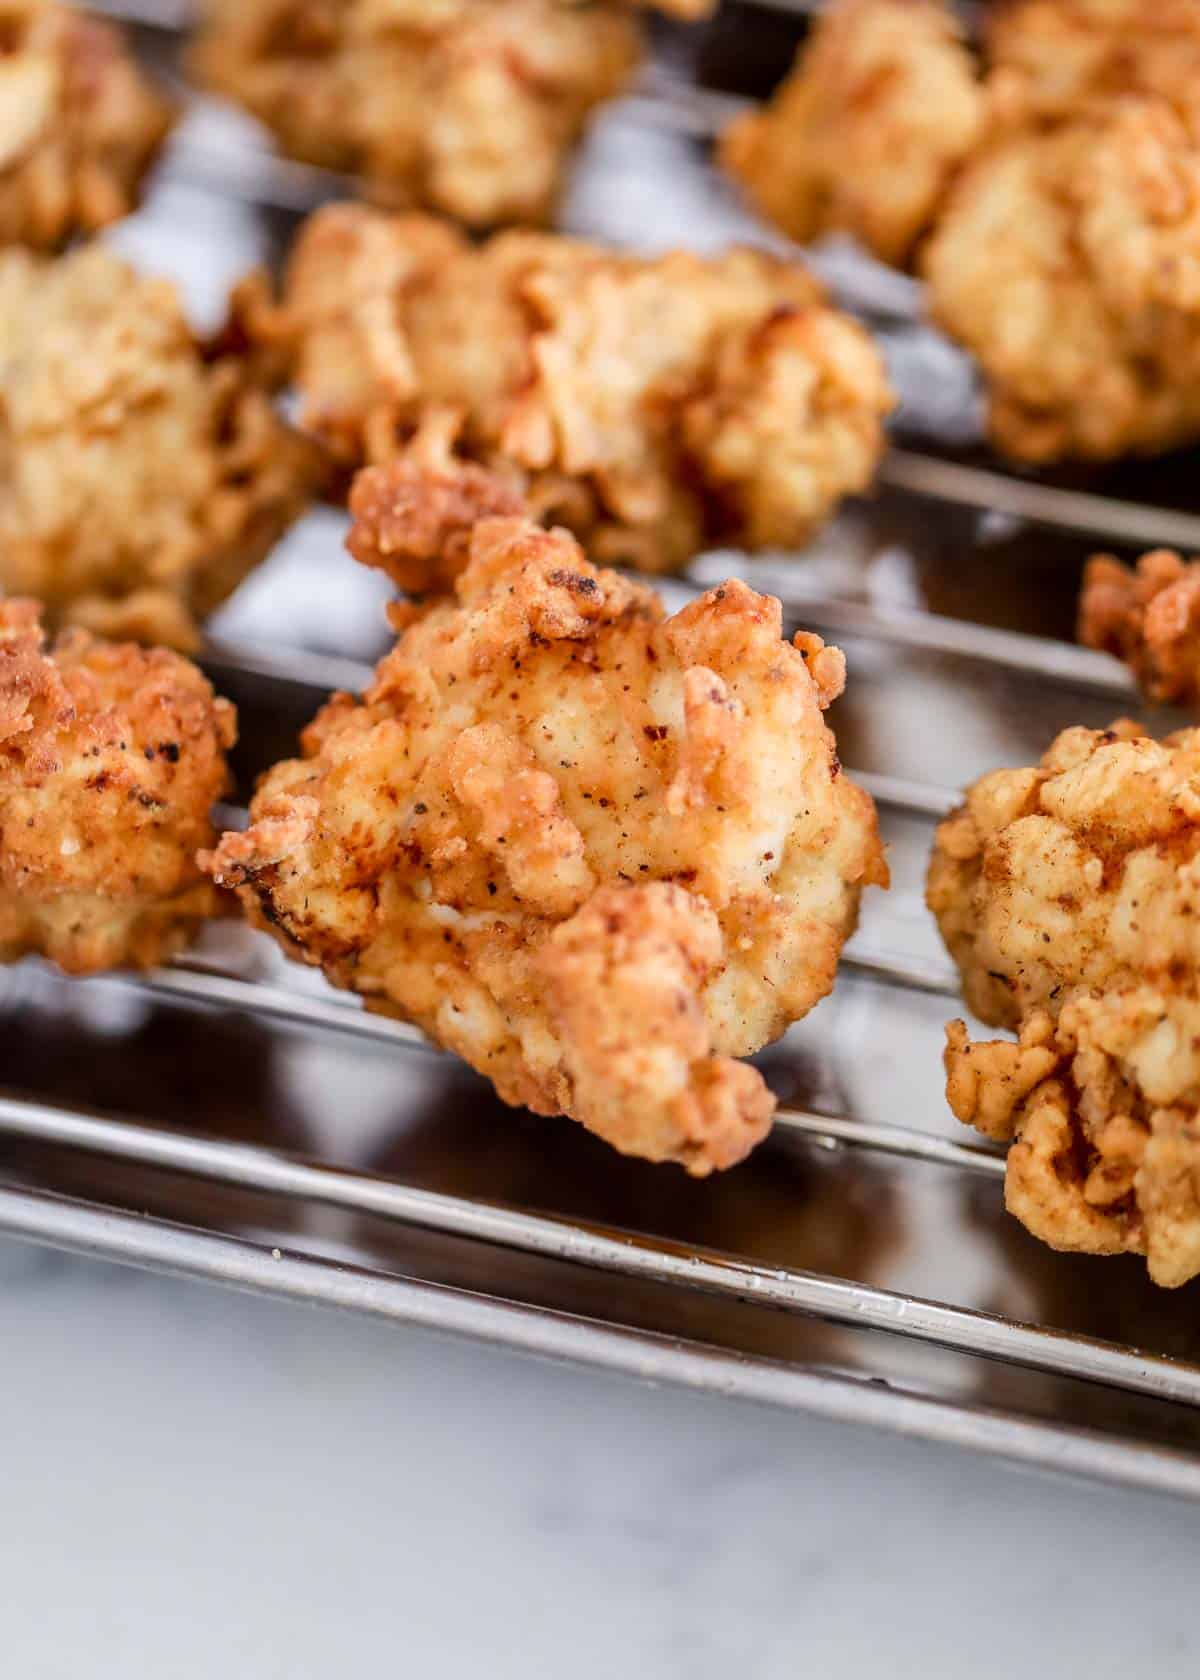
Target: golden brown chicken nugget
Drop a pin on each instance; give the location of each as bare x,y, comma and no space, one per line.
111,757
140,478
80,124
1068,895
1066,259
865,133
468,107
655,406
598,852
1148,617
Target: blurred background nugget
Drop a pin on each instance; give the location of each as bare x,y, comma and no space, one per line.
141,476
80,124
653,405
469,107
1051,200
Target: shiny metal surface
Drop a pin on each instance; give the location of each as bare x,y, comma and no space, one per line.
231,1117
836,1300
1107,518
650,1358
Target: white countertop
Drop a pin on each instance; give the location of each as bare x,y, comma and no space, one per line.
197,1483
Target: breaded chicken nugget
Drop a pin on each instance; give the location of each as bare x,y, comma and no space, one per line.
880,109
1068,260
139,479
1062,191
79,124
469,107
1050,58
1069,896
597,852
654,406
1149,618
110,759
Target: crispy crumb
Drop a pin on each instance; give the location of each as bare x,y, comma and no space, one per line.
413,516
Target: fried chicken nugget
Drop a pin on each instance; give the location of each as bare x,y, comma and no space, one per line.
140,479
469,107
652,405
880,109
80,124
597,852
1149,618
1069,896
1055,202
1067,260
110,759
1051,58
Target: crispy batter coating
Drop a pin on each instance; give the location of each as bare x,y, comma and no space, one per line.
1149,618
79,124
470,107
880,109
139,479
1069,896
110,759
1068,260
597,852
651,405
414,516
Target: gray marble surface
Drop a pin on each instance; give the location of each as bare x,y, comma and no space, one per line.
197,1484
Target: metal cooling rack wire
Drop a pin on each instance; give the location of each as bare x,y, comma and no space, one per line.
650,1259
646,1258
647,1355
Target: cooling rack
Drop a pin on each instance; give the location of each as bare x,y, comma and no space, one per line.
229,1117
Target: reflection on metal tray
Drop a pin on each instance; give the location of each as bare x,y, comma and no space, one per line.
232,1118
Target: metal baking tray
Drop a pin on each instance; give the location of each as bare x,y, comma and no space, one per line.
232,1118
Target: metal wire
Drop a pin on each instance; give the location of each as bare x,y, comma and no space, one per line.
651,1357
650,1259
1112,521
